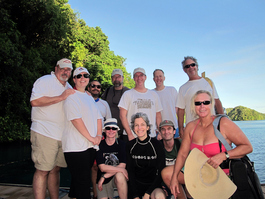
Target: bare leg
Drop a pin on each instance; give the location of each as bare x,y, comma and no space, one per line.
158,194
121,184
94,171
54,182
40,184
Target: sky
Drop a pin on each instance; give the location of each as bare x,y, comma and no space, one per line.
226,37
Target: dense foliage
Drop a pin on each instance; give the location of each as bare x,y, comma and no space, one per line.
34,35
241,113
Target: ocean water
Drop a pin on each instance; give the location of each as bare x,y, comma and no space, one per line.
255,132
16,166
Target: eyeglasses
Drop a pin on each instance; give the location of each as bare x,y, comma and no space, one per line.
93,86
190,65
204,103
80,75
112,128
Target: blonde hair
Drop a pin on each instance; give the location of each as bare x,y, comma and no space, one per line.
192,105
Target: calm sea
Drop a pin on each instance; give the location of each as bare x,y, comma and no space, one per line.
16,166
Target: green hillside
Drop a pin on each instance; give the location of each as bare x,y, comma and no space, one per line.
241,113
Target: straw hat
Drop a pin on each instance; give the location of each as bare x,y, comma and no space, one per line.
203,181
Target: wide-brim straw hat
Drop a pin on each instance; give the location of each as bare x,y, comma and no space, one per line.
203,181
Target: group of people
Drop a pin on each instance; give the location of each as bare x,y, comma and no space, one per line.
134,139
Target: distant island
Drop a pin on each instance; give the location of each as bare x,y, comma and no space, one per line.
241,113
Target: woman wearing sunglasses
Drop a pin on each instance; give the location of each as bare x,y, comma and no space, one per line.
82,135
145,161
200,134
111,160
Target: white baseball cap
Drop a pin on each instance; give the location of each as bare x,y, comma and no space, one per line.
117,72
80,70
140,70
65,63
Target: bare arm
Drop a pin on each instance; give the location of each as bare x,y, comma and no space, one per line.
46,101
219,106
111,170
80,126
181,113
125,124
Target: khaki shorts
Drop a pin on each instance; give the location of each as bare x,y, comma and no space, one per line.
46,152
108,189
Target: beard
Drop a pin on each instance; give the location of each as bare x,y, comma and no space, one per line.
95,95
117,83
64,77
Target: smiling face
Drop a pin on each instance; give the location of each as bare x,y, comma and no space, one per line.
111,133
95,89
192,72
140,128
62,74
167,133
202,110
159,78
139,79
81,83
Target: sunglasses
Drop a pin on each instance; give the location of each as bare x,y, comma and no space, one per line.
80,75
112,128
190,65
204,103
93,86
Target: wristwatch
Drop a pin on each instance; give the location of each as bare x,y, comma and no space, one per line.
227,155
103,176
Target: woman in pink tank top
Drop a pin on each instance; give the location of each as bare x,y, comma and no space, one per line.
200,134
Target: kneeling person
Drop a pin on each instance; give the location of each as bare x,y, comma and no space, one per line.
111,160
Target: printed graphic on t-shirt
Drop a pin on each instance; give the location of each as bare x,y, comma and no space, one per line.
143,103
111,159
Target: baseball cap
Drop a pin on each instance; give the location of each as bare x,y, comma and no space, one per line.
141,70
80,70
166,123
117,72
65,63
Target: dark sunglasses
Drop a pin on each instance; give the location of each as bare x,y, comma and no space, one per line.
113,128
93,86
190,65
80,75
204,103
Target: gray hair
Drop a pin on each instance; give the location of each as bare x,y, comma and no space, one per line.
189,57
144,117
193,105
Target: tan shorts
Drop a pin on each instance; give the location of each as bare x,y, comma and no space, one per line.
46,152
108,189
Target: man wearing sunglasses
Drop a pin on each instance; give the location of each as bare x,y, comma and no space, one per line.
47,97
113,95
187,90
94,88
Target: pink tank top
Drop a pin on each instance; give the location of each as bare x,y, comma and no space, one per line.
209,149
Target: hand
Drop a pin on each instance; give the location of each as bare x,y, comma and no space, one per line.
67,92
216,160
130,137
98,140
125,173
146,196
174,186
181,132
100,182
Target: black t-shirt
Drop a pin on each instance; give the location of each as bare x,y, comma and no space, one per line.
110,155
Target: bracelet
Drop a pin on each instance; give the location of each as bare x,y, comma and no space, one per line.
99,136
103,176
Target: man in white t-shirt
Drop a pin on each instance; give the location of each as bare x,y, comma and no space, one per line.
168,97
187,90
140,99
47,117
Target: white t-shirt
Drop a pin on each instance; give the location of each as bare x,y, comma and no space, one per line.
148,102
79,105
48,120
104,109
168,98
188,90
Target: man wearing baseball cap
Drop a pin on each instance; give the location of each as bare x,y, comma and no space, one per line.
140,99
47,126
113,95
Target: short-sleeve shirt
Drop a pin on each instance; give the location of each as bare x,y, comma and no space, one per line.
48,120
148,102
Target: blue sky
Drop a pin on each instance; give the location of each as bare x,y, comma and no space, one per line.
227,38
